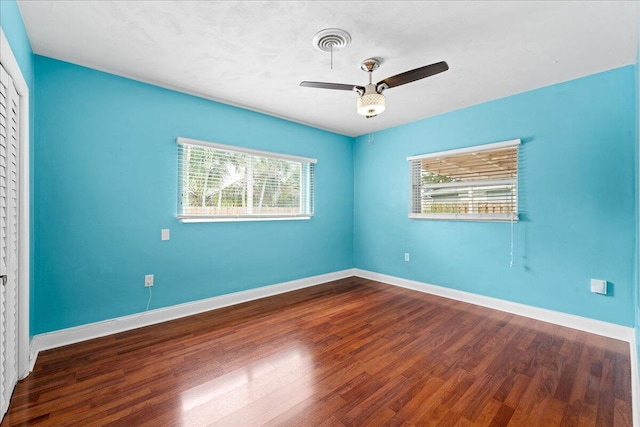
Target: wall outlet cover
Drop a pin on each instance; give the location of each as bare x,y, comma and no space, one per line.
599,286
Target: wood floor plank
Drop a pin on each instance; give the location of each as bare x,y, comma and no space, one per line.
477,397
622,413
347,353
502,416
488,412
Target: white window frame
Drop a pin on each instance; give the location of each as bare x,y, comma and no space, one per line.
415,191
307,183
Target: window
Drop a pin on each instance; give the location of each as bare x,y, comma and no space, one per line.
220,182
475,184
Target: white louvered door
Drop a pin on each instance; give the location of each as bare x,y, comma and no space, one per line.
9,128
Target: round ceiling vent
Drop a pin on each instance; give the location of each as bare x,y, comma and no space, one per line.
331,40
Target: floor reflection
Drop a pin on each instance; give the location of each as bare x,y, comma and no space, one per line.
253,394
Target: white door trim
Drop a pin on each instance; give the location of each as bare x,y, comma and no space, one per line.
10,64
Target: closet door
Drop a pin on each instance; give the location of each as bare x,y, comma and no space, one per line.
9,127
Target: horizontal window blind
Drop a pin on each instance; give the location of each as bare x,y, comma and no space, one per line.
217,181
477,183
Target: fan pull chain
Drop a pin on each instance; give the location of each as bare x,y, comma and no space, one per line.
370,133
331,54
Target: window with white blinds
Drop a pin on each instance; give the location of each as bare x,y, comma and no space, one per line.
221,182
476,184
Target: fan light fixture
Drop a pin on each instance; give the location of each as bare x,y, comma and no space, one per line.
371,104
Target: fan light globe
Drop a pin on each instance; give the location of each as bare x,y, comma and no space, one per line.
371,104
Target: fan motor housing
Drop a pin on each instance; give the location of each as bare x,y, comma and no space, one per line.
370,64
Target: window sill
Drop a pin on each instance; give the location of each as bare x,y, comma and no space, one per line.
467,217
243,218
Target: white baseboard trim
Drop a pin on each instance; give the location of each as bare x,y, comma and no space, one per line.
77,334
593,326
89,331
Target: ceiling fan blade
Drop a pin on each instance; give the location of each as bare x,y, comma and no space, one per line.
413,75
336,86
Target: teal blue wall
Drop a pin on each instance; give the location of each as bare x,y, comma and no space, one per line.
104,173
577,200
106,186
13,26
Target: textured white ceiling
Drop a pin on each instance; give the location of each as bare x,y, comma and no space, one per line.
255,54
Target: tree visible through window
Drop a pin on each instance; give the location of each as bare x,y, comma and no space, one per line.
217,181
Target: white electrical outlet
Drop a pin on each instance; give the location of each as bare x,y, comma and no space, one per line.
148,280
406,256
164,234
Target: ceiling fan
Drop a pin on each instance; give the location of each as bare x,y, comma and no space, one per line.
371,101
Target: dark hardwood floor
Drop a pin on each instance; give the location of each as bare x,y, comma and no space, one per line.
351,352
